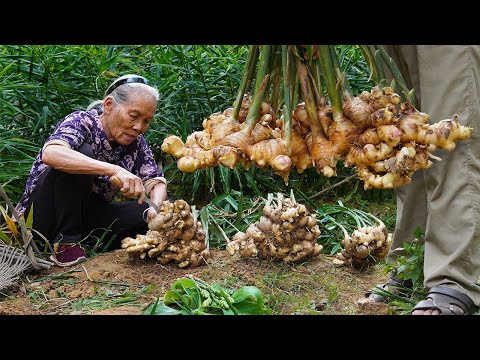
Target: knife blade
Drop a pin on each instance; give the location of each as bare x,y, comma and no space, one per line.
115,181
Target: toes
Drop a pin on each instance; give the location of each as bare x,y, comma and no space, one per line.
366,300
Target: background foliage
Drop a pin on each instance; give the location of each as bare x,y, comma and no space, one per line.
40,84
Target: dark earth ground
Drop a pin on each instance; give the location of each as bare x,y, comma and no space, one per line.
114,284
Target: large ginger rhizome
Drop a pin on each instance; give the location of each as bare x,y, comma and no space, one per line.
385,139
174,235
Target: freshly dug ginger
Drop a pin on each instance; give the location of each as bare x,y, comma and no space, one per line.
373,134
192,155
386,156
286,232
174,235
362,110
366,246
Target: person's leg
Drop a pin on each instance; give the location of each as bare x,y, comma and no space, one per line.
124,219
450,84
59,204
411,213
411,198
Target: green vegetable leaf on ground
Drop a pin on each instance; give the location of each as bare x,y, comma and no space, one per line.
192,296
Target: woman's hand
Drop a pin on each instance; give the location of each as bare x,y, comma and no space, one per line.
151,214
158,195
132,185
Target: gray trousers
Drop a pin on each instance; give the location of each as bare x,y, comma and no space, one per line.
444,200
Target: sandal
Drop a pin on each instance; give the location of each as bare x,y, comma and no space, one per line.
447,301
393,284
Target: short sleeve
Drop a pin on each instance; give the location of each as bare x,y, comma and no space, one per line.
74,129
146,166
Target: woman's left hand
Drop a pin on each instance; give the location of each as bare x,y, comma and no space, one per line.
158,195
151,214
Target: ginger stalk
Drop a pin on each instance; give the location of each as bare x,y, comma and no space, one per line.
320,148
242,138
250,64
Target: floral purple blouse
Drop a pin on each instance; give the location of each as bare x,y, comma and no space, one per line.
84,127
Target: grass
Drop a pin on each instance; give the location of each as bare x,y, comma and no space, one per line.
285,288
309,288
107,295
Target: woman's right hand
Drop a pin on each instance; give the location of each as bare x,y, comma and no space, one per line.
132,185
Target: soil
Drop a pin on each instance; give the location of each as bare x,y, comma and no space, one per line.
115,284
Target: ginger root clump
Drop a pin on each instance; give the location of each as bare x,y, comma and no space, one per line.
366,246
285,232
385,140
174,235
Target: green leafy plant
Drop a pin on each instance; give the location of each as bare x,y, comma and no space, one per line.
337,220
409,265
193,296
228,214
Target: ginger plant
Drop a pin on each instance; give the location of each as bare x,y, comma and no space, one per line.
366,245
384,139
285,232
174,235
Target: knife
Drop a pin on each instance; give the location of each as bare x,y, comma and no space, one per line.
115,181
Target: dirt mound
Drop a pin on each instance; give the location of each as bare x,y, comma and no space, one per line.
114,283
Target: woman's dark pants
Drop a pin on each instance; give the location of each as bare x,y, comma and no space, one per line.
66,210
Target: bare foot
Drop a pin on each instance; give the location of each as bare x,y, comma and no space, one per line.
435,311
426,312
367,300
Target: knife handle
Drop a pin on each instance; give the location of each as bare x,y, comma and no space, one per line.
115,181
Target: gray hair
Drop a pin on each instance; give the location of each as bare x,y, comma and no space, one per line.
120,93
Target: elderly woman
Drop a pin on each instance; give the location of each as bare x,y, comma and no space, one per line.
68,187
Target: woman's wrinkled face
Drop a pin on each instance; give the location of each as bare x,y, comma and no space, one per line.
126,121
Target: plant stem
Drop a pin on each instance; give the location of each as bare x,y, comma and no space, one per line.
249,66
341,76
276,90
295,84
371,63
260,88
263,66
397,75
333,186
317,71
329,71
287,107
379,62
251,70
309,98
